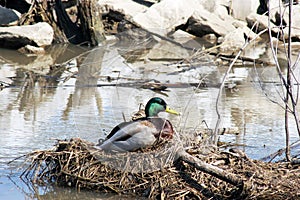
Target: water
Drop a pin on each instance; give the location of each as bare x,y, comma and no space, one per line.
41,106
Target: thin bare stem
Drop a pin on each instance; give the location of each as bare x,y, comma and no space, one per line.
215,134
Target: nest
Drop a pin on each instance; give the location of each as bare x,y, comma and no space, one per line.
162,173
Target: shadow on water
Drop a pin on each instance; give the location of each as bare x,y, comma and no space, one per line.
79,92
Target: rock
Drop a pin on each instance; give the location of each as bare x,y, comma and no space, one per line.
203,22
241,9
246,30
255,50
186,39
250,34
295,33
260,21
211,38
8,15
127,8
219,7
233,42
39,35
262,9
162,18
275,15
118,14
28,49
222,8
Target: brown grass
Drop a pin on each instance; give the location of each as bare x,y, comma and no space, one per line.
155,174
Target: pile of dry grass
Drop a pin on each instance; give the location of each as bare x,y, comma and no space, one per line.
76,163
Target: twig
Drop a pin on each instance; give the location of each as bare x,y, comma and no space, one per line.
272,156
223,83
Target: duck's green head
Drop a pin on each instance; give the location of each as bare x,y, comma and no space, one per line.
156,105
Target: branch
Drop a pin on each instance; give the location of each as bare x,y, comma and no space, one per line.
210,169
224,78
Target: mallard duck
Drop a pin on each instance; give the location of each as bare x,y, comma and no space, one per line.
142,132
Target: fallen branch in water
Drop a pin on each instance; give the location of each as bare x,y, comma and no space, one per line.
279,152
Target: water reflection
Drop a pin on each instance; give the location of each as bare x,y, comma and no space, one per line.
25,190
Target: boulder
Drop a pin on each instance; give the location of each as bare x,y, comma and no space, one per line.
186,40
295,32
233,42
38,35
162,18
260,22
28,49
246,30
203,22
128,8
8,15
241,9
222,8
278,15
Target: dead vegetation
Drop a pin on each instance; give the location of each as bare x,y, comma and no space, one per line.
165,173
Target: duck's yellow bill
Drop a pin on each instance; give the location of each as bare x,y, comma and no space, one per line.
169,110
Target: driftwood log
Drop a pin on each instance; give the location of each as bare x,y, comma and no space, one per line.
85,28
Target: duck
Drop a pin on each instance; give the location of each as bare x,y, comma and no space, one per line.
142,132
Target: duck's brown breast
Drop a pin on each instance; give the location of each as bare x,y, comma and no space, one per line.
164,128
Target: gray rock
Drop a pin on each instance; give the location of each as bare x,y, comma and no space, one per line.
233,42
8,15
28,49
203,22
186,39
162,18
222,8
260,22
39,35
295,32
241,9
275,7
250,34
204,16
128,8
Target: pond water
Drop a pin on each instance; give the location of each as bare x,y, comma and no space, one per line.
88,95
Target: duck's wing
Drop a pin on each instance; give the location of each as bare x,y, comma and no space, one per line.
117,128
129,136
